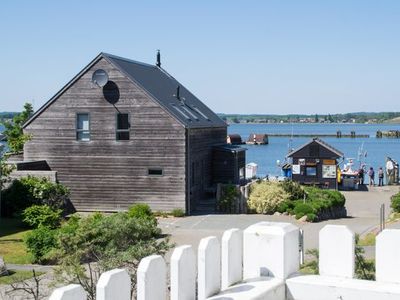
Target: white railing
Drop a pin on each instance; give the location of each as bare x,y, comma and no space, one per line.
261,262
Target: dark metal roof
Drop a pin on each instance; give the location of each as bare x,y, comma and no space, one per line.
320,142
230,148
188,109
161,86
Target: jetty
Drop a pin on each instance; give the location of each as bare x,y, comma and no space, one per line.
338,134
390,134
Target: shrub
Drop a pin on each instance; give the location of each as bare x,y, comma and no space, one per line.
115,241
178,212
229,194
395,202
28,191
265,197
294,189
140,210
40,242
302,209
42,215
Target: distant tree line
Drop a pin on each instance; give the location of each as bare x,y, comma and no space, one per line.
357,117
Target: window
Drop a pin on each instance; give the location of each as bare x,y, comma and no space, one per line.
82,127
155,172
311,171
123,126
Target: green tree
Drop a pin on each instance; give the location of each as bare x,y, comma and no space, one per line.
316,118
13,129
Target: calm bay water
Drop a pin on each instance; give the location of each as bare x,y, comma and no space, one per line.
267,155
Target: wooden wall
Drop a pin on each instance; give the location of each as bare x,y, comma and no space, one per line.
200,143
105,174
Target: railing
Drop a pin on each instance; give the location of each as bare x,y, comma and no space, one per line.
261,262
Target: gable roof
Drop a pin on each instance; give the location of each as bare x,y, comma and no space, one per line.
321,143
160,86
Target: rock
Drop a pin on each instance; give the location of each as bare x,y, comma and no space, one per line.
303,219
285,213
277,213
3,268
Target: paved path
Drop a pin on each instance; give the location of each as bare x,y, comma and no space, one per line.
363,215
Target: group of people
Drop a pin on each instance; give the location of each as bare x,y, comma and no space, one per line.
371,174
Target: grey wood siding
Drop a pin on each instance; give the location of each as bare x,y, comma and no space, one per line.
106,174
200,144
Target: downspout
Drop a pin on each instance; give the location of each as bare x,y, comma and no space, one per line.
188,173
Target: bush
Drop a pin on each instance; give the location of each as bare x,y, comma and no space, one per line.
228,195
40,242
178,212
103,243
140,210
28,191
42,215
265,197
294,189
302,209
395,202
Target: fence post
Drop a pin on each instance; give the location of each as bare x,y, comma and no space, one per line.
270,249
231,257
151,278
387,256
336,251
69,292
114,284
183,273
209,267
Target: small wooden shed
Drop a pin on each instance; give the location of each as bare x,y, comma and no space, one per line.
234,139
257,139
229,164
315,163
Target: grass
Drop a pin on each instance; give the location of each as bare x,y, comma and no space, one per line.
12,247
17,275
367,240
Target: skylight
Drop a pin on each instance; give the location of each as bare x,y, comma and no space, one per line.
200,112
190,113
181,112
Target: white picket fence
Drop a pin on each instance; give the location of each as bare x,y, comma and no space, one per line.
261,262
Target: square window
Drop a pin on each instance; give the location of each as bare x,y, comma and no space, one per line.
311,171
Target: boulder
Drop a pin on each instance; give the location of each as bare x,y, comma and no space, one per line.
303,219
3,268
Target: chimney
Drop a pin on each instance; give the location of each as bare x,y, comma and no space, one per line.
158,64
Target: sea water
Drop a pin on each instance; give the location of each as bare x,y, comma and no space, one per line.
374,150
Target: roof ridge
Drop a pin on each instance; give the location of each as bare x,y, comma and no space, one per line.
127,60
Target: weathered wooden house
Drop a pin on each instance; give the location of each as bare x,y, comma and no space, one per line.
257,139
315,163
124,132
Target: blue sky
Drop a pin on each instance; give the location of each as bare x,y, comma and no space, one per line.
237,56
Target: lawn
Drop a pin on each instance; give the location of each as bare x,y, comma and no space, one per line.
16,276
12,247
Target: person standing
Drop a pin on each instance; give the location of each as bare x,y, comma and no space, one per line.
361,176
371,174
380,177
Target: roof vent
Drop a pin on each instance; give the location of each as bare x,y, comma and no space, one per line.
158,64
178,96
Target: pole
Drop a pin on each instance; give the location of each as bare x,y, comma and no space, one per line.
301,246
